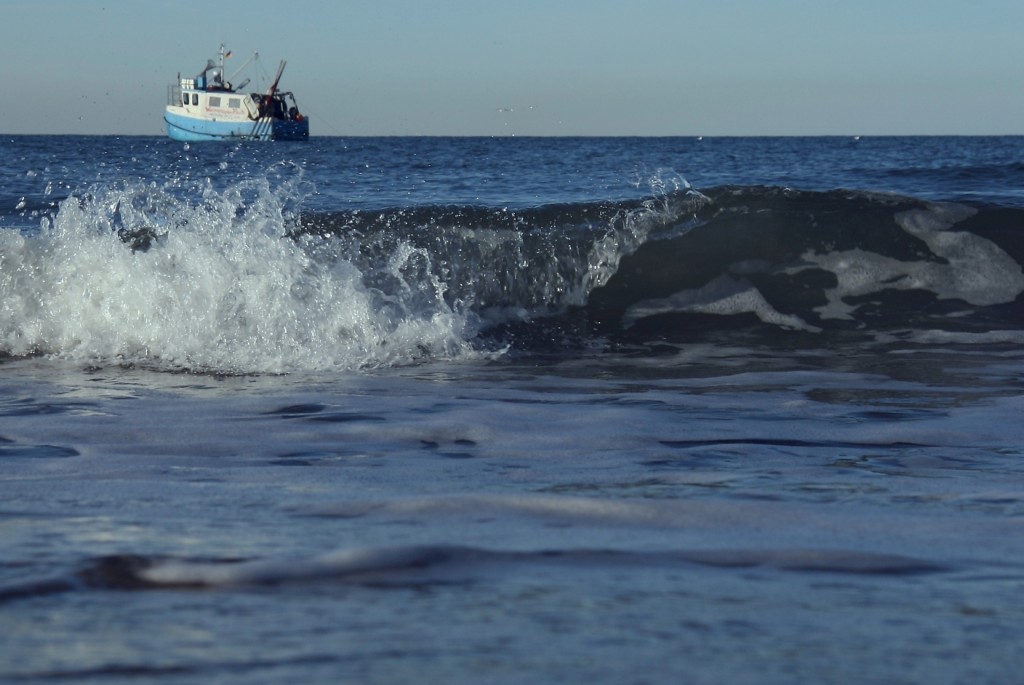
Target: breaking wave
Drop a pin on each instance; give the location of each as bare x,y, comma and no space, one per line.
138,274
240,280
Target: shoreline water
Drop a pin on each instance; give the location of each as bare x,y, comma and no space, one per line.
470,411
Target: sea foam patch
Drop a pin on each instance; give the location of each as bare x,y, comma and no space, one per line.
964,266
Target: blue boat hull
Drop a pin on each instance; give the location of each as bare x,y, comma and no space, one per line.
191,129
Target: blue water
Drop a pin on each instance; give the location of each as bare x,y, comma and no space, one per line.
512,410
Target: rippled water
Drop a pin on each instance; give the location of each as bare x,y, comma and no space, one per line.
452,480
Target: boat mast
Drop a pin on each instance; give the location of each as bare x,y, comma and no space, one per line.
277,78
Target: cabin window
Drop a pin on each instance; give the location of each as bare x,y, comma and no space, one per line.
184,99
234,103
214,101
195,99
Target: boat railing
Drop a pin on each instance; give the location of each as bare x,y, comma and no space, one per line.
174,94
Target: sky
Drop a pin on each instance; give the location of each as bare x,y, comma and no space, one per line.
532,67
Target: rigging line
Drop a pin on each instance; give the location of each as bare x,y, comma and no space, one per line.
255,56
313,115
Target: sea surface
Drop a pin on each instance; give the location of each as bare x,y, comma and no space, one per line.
512,410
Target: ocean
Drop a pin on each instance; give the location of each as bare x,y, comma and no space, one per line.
512,410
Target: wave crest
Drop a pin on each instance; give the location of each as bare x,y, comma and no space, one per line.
239,280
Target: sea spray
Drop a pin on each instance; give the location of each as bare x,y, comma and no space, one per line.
218,286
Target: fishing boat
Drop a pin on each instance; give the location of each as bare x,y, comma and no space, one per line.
209,107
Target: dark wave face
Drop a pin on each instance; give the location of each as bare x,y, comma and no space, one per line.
763,259
821,261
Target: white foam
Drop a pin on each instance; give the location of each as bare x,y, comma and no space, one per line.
223,289
972,268
940,337
724,296
338,564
